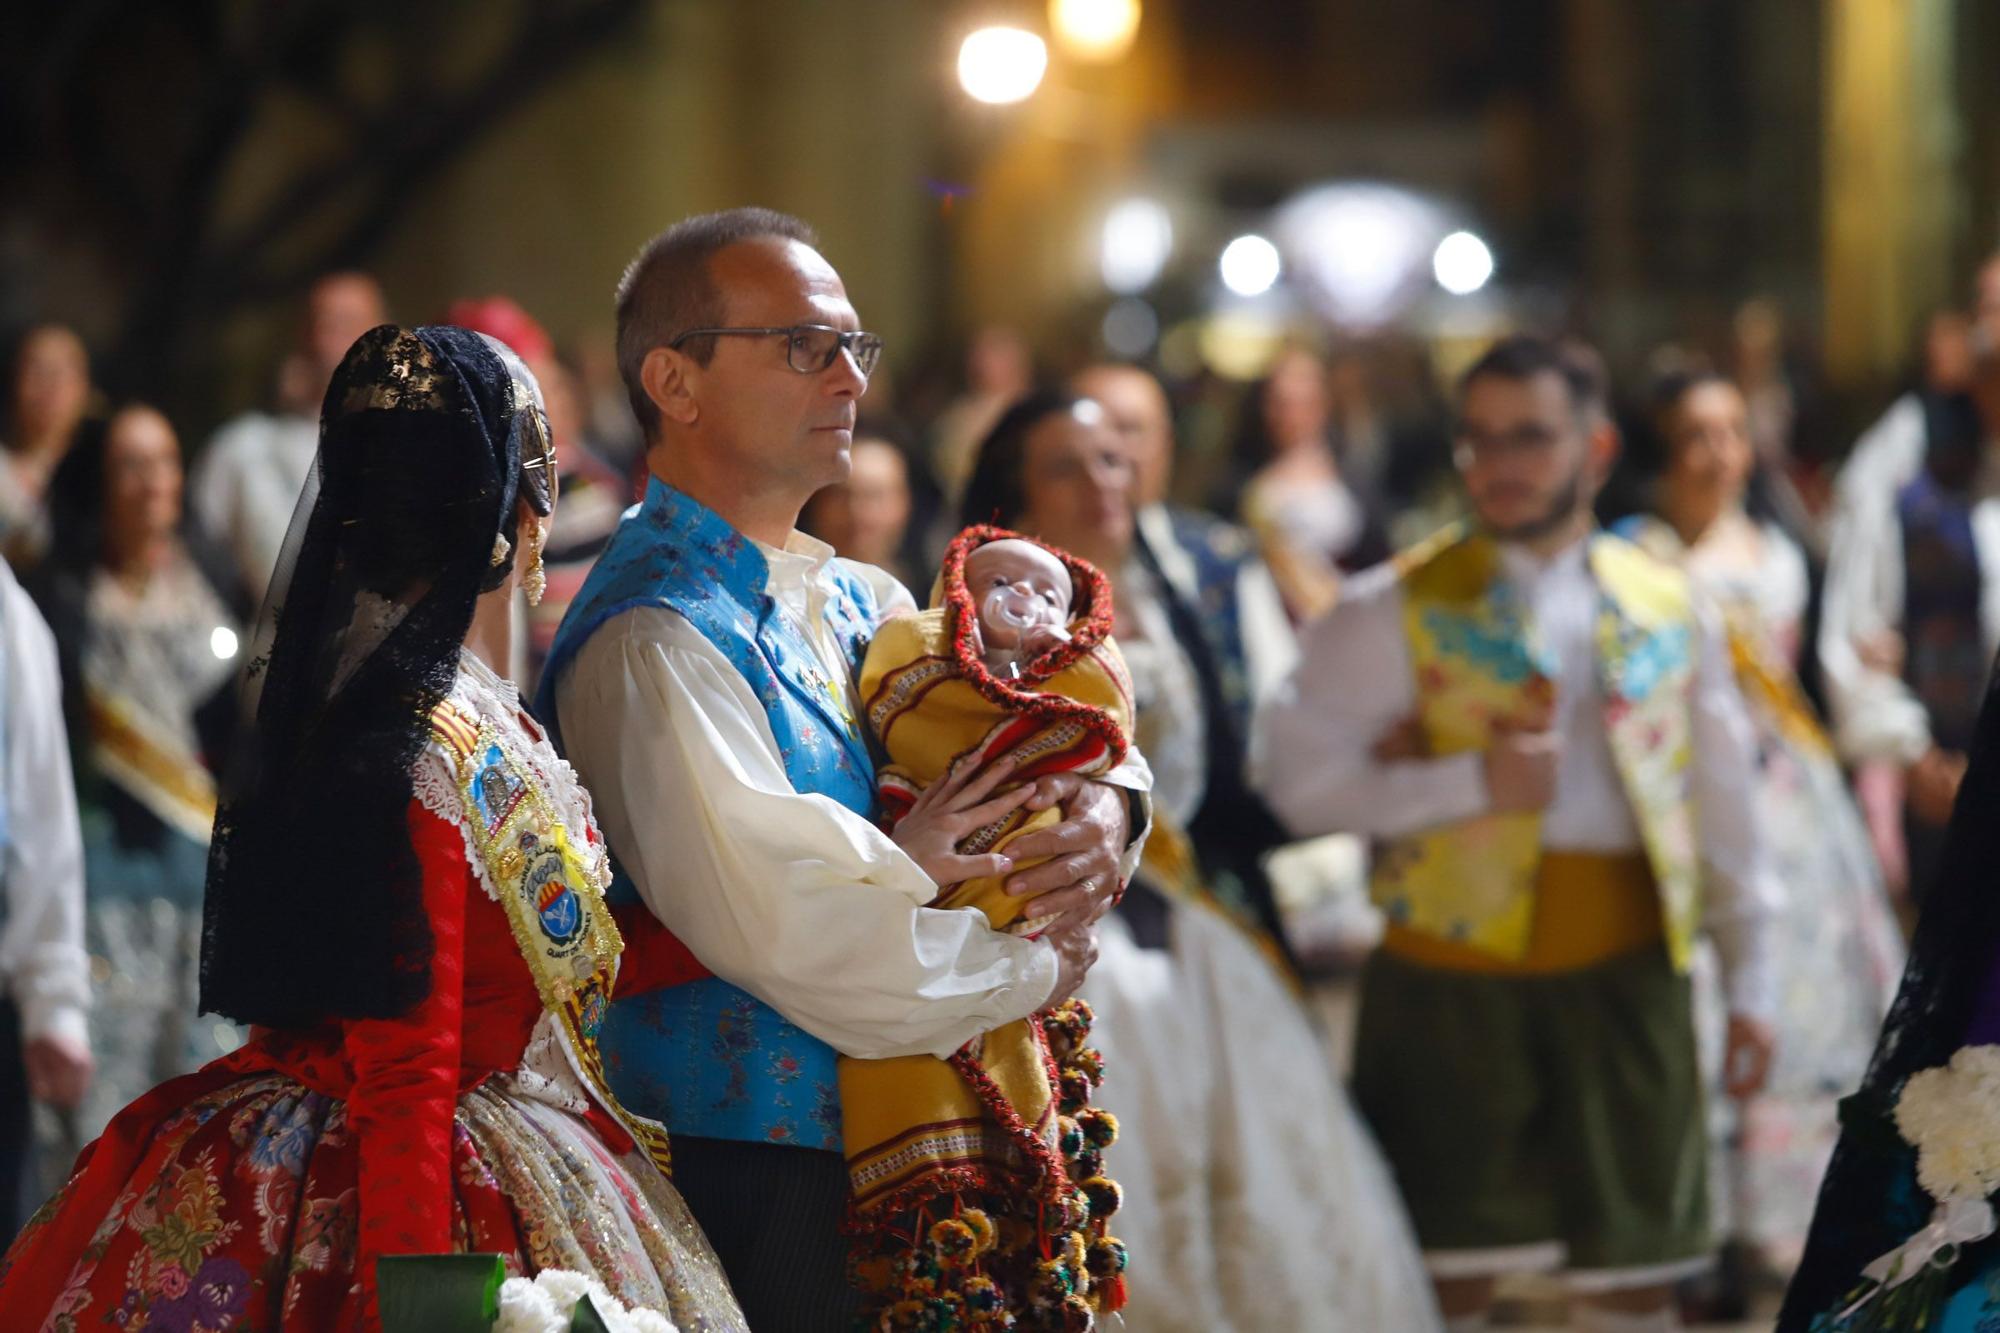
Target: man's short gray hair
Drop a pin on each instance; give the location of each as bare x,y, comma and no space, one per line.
667,289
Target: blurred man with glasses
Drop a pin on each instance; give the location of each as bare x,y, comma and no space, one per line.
1539,726
703,684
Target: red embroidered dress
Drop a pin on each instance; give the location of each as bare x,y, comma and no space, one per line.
259,1191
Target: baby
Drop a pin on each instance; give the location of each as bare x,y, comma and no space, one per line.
1013,662
1023,593
1010,662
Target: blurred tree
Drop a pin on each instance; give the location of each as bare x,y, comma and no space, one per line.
212,156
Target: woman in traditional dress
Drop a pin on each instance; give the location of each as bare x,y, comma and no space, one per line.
406,898
1841,948
1312,523
1255,1199
148,653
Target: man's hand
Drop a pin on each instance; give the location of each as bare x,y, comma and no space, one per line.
1075,887
1521,769
1406,740
1931,785
955,806
1746,1060
1881,652
1076,954
59,1070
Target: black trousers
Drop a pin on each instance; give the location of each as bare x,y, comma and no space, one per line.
16,1134
773,1215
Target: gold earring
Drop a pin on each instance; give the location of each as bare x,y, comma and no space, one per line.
535,581
502,548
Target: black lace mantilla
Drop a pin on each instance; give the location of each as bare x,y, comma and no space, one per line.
1870,1201
315,908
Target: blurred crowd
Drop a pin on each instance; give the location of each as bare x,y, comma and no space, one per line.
1857,567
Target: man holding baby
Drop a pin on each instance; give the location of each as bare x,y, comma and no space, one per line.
703,685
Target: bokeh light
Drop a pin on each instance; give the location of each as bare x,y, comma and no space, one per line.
1001,65
1250,265
1138,240
1130,328
1462,263
1361,250
1094,30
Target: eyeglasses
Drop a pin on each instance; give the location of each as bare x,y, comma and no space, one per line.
1472,447
809,348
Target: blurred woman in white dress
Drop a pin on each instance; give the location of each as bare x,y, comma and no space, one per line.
1255,1198
1842,952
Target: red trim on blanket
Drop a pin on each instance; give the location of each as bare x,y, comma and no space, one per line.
1090,626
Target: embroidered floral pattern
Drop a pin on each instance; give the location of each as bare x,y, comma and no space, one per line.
253,1215
720,1050
1476,662
1490,640
236,1196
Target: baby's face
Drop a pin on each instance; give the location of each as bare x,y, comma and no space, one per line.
1018,587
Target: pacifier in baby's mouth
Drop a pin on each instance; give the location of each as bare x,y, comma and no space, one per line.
1036,628
1007,605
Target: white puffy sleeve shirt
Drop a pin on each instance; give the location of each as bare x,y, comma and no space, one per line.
42,960
1314,762
791,896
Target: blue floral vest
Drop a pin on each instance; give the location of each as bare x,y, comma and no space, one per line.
706,1058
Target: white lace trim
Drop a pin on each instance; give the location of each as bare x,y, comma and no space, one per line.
551,1072
565,787
475,677
436,786
548,1070
434,780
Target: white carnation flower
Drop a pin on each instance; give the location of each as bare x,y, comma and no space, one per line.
547,1304
527,1308
1981,1070
1951,1116
566,1287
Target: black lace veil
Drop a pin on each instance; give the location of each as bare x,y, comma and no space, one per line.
428,438
1870,1201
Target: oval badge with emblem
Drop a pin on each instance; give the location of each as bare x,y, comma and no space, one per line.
556,905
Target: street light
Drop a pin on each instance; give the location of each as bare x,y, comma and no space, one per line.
1096,31
1462,263
1250,265
1001,65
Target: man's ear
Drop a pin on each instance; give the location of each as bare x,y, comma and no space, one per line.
1605,445
666,375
